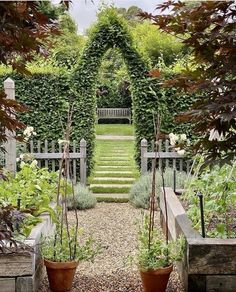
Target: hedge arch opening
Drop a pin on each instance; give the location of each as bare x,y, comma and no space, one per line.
111,31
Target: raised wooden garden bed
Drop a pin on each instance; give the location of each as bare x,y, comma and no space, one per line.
209,264
22,272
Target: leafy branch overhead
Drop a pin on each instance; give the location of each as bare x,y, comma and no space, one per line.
208,28
24,32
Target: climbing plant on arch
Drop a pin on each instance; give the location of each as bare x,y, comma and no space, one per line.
111,32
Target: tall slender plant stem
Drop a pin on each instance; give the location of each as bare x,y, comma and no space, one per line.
153,193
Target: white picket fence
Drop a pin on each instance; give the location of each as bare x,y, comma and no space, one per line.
165,156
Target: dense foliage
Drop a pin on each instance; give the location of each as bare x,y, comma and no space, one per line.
218,189
160,254
111,31
140,191
83,199
11,220
208,29
24,32
59,251
35,188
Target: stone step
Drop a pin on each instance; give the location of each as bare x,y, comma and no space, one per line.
113,166
97,172
114,196
97,178
111,185
113,158
112,163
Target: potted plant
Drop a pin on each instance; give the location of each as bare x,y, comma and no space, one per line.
156,253
62,251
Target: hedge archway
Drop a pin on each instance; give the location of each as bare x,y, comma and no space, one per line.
111,31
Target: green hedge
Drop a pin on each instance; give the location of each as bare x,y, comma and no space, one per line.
47,96
111,31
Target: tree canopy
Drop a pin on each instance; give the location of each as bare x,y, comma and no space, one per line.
24,33
208,29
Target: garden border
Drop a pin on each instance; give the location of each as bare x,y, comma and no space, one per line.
209,264
23,272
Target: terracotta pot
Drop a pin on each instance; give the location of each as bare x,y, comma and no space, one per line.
60,275
156,280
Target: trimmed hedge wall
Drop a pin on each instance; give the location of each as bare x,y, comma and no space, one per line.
111,31
48,95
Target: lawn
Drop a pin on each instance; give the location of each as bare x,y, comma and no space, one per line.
115,129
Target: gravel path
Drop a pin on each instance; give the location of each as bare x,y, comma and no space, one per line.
114,226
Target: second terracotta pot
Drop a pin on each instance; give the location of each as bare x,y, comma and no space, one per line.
60,275
156,280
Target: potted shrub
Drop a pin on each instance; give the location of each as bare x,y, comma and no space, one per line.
156,253
62,251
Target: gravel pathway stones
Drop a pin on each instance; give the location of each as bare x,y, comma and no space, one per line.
114,226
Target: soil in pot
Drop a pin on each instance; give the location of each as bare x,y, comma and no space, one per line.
156,280
60,275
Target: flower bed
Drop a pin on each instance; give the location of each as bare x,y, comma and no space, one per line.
22,272
209,264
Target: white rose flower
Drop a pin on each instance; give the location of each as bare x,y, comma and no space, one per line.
171,135
183,137
173,140
22,164
181,152
31,129
34,163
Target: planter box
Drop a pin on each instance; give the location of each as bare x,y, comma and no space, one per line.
209,264
22,272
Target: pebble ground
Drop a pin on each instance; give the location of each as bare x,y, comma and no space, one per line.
113,226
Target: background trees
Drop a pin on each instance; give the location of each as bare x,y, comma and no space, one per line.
208,29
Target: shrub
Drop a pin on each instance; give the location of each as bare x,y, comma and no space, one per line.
141,190
84,199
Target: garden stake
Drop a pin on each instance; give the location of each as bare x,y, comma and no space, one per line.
200,196
18,208
174,179
18,202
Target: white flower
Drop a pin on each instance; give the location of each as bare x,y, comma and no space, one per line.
171,135
214,135
34,133
22,156
28,131
31,129
183,137
22,164
17,159
173,139
181,152
34,163
61,141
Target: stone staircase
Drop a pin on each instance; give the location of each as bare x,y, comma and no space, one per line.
115,169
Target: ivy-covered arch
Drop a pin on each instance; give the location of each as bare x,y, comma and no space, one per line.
111,31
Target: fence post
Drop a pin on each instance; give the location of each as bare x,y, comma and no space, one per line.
10,145
143,159
83,167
